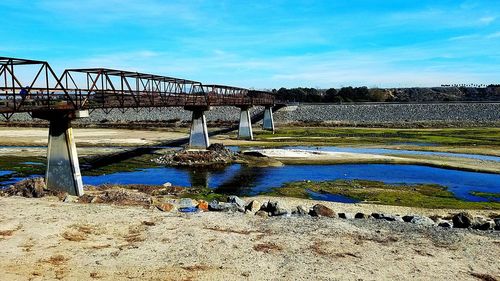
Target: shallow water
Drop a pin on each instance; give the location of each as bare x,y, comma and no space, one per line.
4,173
242,180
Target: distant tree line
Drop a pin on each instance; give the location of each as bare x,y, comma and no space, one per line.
364,94
345,94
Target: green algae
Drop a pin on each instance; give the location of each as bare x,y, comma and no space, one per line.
419,195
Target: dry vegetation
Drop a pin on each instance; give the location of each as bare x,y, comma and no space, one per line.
267,248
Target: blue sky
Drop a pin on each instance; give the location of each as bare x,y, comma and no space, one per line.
264,44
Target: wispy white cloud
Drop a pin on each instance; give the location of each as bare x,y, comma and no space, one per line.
493,35
487,20
91,12
419,65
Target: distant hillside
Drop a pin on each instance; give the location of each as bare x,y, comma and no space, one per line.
364,94
446,94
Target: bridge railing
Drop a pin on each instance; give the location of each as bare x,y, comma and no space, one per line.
100,87
29,85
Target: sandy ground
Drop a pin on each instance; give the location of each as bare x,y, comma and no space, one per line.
44,239
320,155
89,137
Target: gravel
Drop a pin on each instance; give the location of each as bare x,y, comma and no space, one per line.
350,114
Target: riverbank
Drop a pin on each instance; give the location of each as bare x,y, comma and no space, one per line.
44,239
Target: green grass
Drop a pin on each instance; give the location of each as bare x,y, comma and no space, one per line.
333,135
421,195
489,195
18,166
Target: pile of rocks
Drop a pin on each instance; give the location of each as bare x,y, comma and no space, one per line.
215,154
30,188
276,209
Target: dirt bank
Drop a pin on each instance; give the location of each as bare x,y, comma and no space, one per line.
44,239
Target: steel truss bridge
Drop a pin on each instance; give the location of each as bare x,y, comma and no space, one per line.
77,92
41,90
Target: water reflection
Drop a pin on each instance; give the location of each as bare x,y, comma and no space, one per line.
242,180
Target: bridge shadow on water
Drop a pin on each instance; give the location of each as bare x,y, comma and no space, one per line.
238,183
112,158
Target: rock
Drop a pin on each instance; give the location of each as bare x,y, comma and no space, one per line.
236,200
165,207
31,188
347,216
167,184
202,205
359,216
422,220
481,223
187,203
264,206
497,223
319,210
300,211
223,207
376,216
462,220
408,218
275,209
253,206
388,217
96,200
262,214
70,199
488,225
445,224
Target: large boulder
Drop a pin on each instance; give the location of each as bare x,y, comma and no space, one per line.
497,223
387,217
253,206
348,216
462,220
422,220
236,200
320,210
187,203
202,205
222,207
165,207
274,209
300,211
445,224
481,223
359,216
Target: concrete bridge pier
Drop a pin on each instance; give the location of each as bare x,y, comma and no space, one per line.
268,122
198,137
245,127
63,170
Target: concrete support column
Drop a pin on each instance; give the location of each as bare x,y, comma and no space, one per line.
245,127
63,170
198,138
268,122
